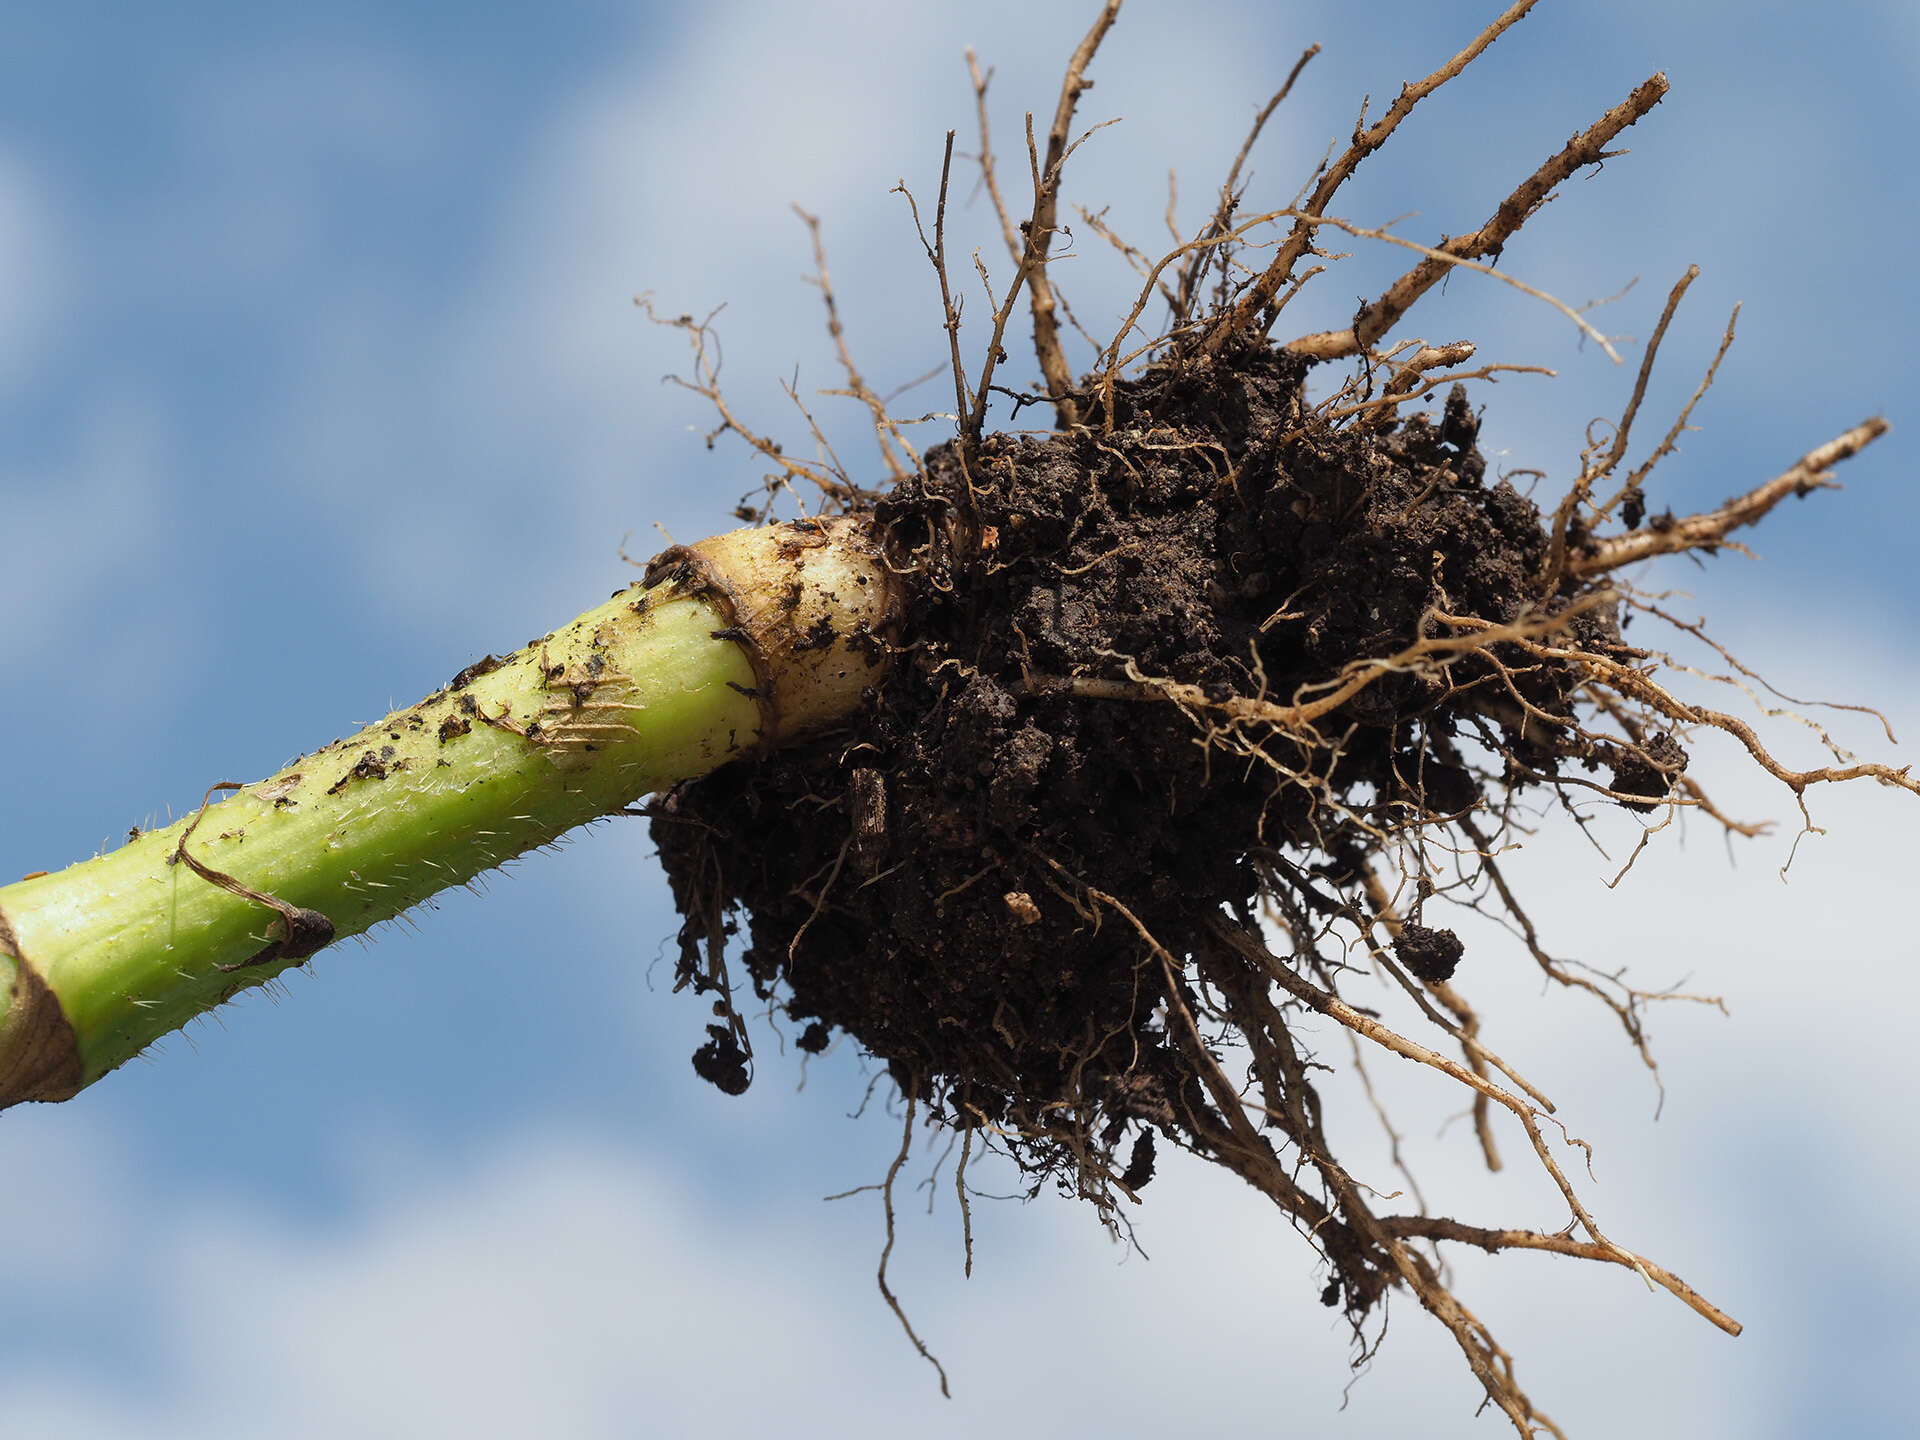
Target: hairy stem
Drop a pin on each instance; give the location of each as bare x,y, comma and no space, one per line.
739,642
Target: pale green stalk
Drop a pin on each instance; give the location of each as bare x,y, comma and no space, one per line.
650,688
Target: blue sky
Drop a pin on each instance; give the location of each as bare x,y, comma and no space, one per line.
320,377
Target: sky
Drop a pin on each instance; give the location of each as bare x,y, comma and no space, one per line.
320,377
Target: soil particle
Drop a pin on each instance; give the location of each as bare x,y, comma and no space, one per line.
721,1061
372,765
1430,954
1649,771
485,665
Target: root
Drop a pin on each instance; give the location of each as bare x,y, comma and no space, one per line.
886,1254
1247,313
1708,532
1209,703
1040,229
1588,148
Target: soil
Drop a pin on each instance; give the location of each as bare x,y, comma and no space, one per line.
993,879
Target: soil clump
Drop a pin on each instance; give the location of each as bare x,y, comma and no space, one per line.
993,878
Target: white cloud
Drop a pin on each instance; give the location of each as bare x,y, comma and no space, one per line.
31,273
82,526
567,1282
563,1281
538,391
268,134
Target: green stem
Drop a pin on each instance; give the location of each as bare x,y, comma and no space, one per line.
101,959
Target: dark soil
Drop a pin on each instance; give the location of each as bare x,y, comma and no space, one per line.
963,882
